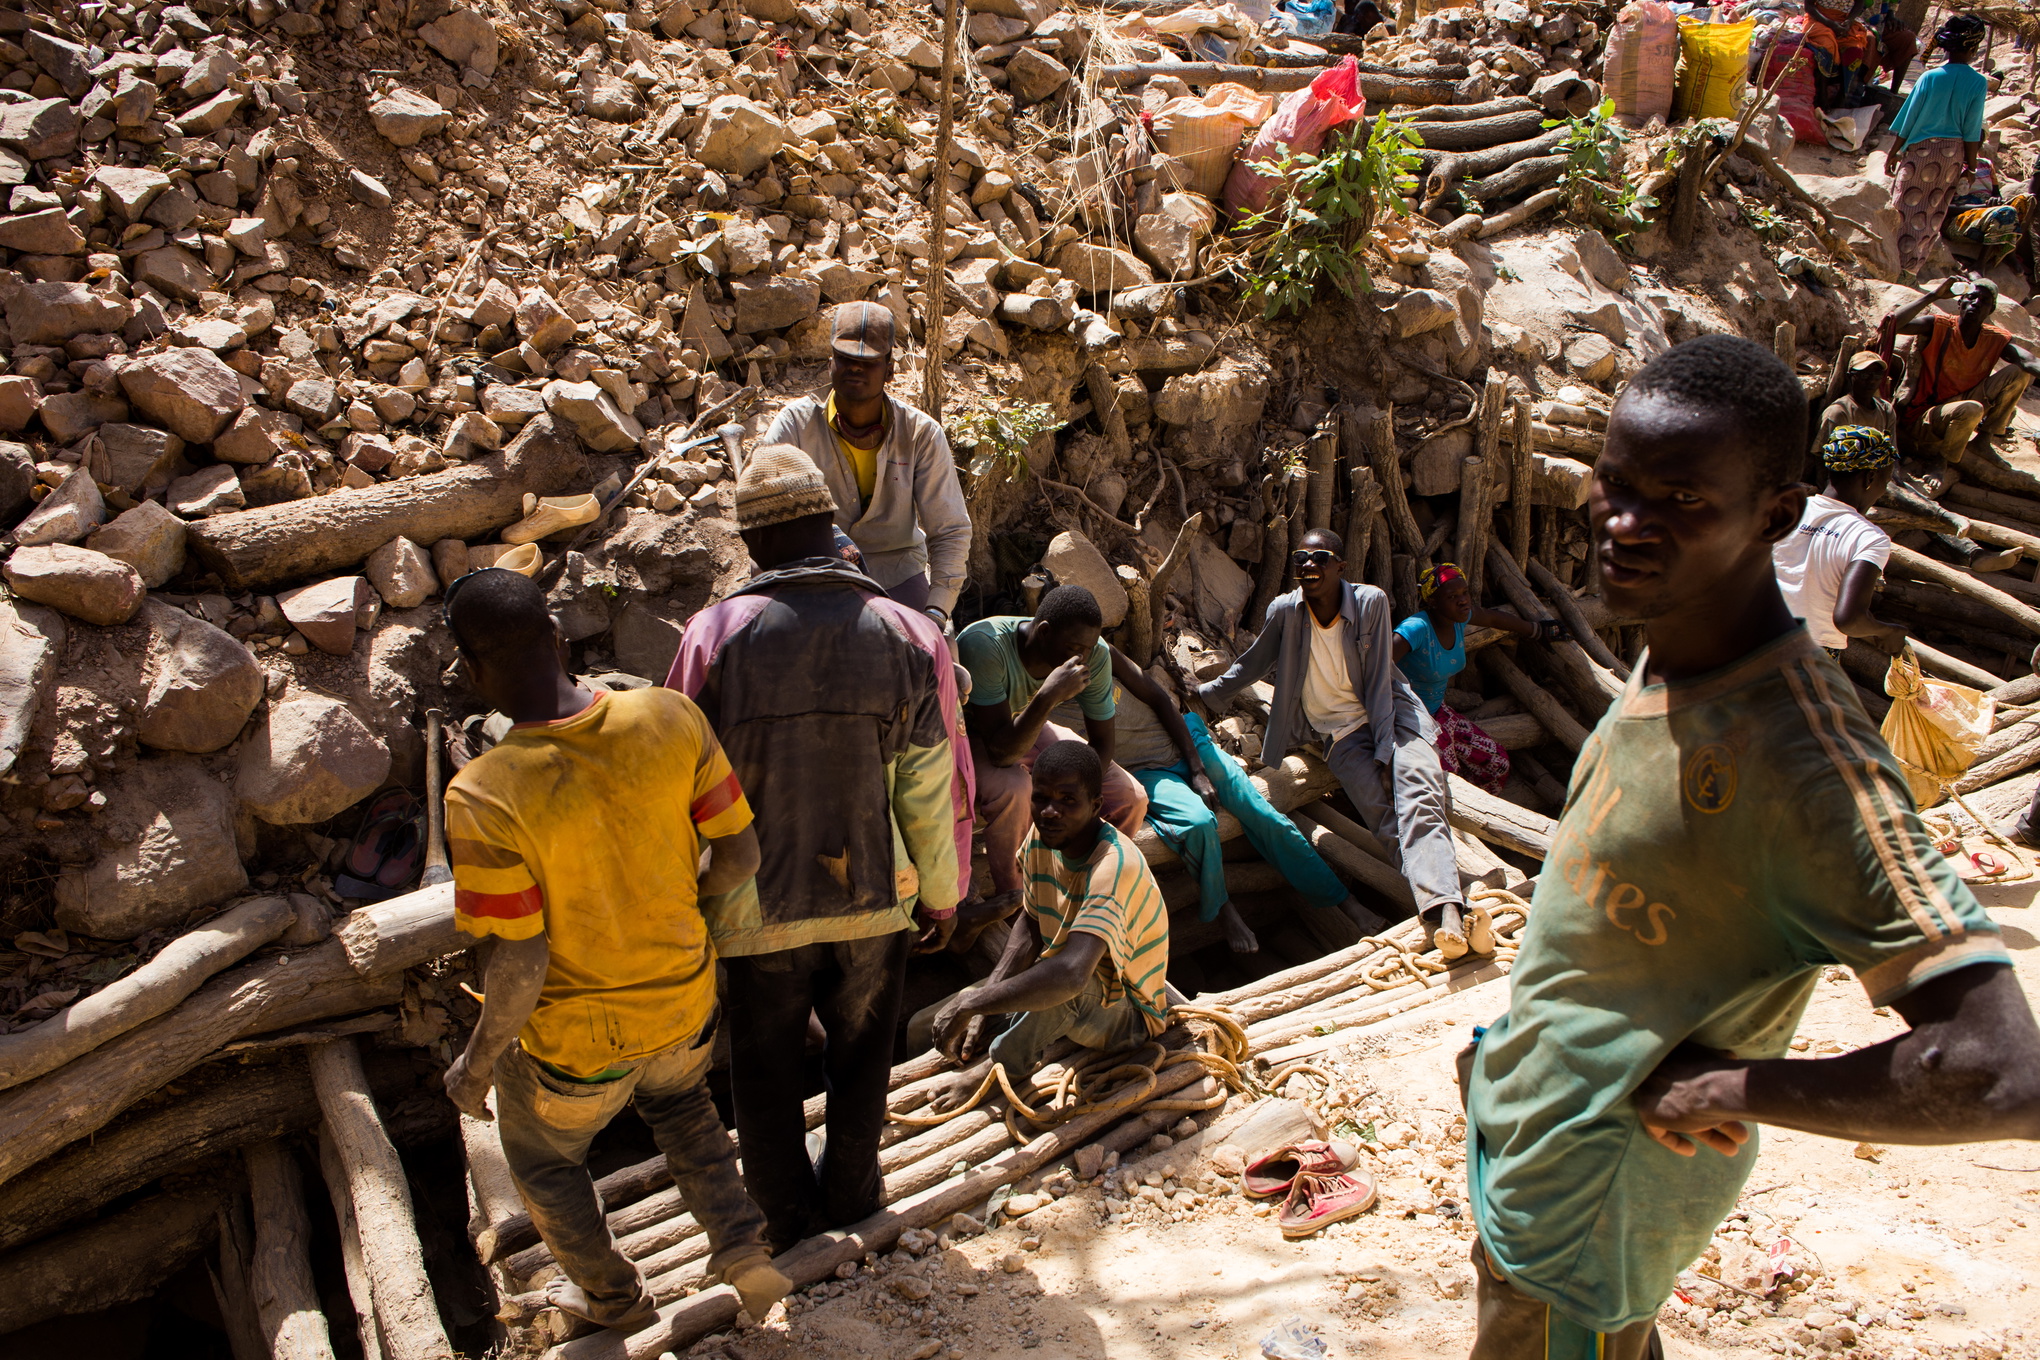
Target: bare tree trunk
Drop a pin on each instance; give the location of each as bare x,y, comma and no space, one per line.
116,1260
1519,485
1363,509
360,1289
934,380
280,1278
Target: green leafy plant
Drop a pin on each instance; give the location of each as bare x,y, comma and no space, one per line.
1592,183
1765,221
1319,216
998,436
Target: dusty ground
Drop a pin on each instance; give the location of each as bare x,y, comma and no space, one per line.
1899,1252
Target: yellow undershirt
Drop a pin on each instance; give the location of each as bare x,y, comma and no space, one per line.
863,462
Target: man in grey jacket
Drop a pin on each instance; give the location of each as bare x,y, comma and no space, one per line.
887,464
1328,643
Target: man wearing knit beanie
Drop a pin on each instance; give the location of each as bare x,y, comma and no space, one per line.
887,464
836,706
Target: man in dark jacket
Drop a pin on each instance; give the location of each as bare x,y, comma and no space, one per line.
1328,642
836,707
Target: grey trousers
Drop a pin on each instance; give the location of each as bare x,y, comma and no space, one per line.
1407,810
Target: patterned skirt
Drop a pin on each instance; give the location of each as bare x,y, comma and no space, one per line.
1928,174
1473,755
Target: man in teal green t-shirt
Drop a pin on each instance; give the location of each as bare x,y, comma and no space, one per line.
1734,824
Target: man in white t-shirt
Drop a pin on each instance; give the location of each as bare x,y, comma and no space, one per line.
1829,567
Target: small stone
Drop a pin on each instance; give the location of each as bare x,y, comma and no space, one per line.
1422,310
911,1287
542,322
401,573
1012,1263
405,117
1590,357
464,38
1101,269
326,613
449,560
963,1225
148,538
511,406
48,232
252,438
737,136
1033,75
1868,1152
189,391
208,491
40,128
1395,1135
212,115
76,581
20,398
315,400
69,416
130,191
496,306
287,477
1089,1158
52,313
66,515
594,415
366,188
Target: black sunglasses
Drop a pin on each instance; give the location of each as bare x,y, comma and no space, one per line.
1313,557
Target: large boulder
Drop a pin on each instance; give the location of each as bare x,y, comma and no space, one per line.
768,303
168,849
199,684
31,638
84,584
311,759
148,538
327,612
138,455
66,515
1075,561
738,136
1102,269
40,128
189,391
464,38
51,313
44,232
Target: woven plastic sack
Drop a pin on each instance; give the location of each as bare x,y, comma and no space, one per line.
1201,135
1642,66
1934,727
1714,65
1301,123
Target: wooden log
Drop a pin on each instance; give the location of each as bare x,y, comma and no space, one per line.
1499,821
683,1322
2024,690
1165,574
1354,864
1785,344
1035,313
1476,516
121,1258
1575,618
1105,406
276,543
360,1289
1954,668
280,1278
175,973
2003,764
1531,173
1593,683
1520,494
1474,133
1365,504
1268,579
1978,500
395,1263
1324,453
236,1256
1921,567
1533,696
271,994
1379,89
1515,731
493,1200
1379,433
1487,108
1986,465
1443,169
1521,213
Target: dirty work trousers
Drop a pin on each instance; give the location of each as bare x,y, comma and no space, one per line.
853,987
1944,431
1005,799
546,1123
1084,1018
1406,809
1190,828
1514,1326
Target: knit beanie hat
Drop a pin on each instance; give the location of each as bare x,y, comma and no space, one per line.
779,483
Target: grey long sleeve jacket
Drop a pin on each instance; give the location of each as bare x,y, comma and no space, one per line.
1284,647
916,519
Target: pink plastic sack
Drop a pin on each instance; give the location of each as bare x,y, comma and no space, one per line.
1641,69
1301,123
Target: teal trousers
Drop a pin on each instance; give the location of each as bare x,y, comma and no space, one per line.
1190,828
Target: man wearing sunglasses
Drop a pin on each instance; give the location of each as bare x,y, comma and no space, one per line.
1330,644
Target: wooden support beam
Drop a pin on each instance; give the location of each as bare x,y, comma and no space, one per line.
381,1197
1592,682
1388,474
1921,567
280,1278
1533,696
1583,630
1520,495
1499,821
360,1289
119,1259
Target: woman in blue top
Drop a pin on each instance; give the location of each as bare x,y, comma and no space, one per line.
1427,660
1934,141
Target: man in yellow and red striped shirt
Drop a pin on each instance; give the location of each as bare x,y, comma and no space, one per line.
578,842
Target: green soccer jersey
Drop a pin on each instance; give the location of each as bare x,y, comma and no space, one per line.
990,650
1724,837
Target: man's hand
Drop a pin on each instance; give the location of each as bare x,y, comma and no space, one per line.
1891,641
1065,682
1678,1103
1201,785
468,1088
934,934
952,1030
1946,287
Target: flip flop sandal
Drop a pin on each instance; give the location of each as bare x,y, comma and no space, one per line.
572,1300
381,827
406,857
1270,1175
1987,864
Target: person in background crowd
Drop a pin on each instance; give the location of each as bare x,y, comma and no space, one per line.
1861,402
601,977
1959,388
887,464
2001,228
1429,662
1829,566
836,705
1735,827
1934,139
1328,643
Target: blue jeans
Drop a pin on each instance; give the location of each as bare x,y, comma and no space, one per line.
1406,810
1190,828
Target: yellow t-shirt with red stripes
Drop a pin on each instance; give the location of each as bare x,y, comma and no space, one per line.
589,829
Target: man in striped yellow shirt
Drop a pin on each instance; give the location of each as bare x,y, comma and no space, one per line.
1096,930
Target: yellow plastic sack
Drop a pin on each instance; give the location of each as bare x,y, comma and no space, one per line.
1714,65
1934,727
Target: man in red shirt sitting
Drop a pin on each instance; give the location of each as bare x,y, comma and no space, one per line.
1960,389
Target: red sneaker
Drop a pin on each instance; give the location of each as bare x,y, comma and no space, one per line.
1270,1175
1317,1201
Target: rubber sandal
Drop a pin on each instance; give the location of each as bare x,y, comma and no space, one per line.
1988,865
572,1300
1270,1175
1317,1202
543,517
382,826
